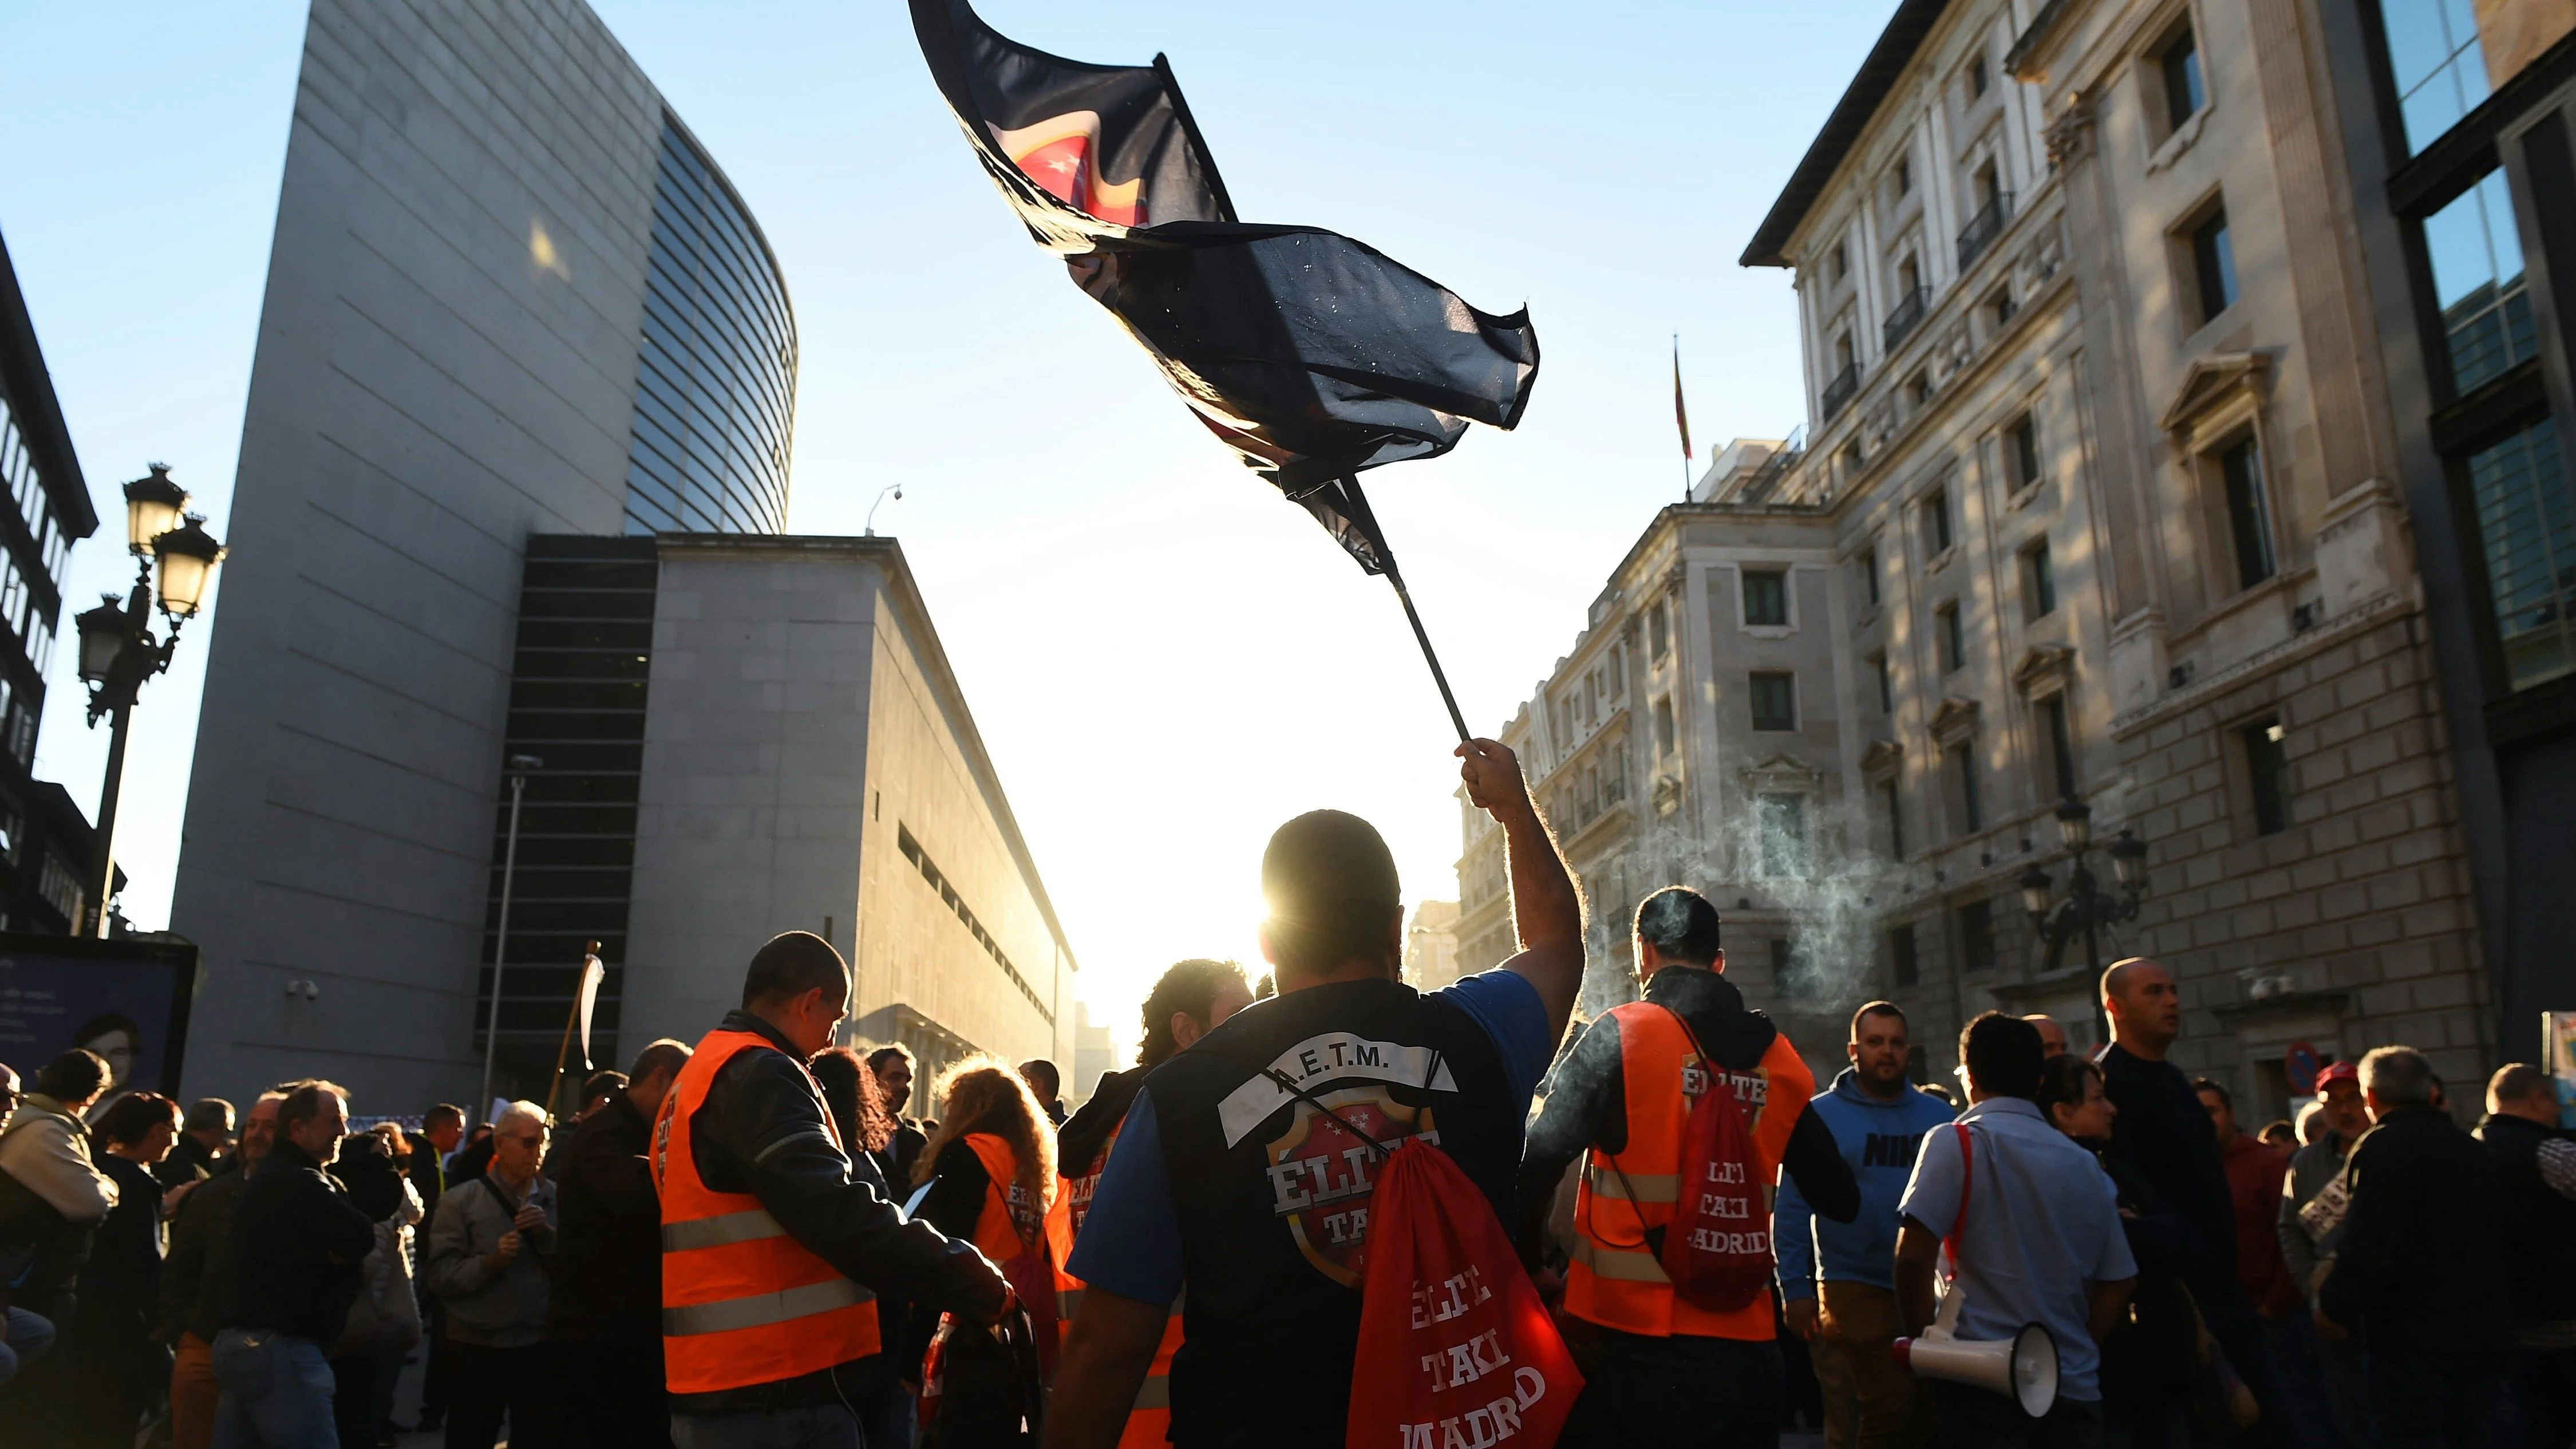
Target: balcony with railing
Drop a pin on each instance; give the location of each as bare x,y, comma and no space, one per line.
1984,227
1907,316
1840,391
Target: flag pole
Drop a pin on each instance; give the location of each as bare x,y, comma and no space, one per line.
1365,518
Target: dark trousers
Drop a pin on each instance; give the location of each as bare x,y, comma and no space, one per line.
613,1395
2542,1413
2239,1331
487,1385
433,1360
1683,1392
1975,1418
2435,1401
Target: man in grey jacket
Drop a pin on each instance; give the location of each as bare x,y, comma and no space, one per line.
2312,1207
56,1194
488,1263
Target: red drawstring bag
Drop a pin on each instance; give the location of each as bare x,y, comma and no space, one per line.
1717,1248
1455,1346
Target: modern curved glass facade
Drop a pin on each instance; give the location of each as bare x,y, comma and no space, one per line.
715,393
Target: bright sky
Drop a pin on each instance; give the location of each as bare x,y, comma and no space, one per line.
1166,659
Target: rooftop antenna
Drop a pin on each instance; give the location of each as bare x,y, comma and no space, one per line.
894,488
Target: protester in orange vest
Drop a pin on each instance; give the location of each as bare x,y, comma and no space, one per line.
1670,1371
774,1238
991,1172
1192,999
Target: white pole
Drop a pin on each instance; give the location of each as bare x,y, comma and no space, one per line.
500,946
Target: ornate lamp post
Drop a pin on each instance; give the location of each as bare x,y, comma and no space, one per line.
118,651
2086,908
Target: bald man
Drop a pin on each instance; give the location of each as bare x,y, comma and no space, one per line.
2052,1037
2163,1129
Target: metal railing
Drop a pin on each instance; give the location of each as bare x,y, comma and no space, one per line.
1840,391
1984,227
1907,316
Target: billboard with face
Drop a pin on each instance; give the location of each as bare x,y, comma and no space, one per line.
126,1000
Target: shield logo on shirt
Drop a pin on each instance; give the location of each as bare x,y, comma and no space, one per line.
1323,1176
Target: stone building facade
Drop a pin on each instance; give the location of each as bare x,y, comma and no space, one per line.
2097,502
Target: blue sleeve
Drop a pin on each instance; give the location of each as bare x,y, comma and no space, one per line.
1793,1239
1131,1240
1506,1005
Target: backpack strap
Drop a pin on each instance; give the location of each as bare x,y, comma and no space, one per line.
1967,1184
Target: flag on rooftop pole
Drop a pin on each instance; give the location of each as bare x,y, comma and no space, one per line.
1313,356
1681,416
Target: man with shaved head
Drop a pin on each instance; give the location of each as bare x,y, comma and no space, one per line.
2052,1037
2163,1129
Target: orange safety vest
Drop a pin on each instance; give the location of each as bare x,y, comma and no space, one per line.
1149,1423
742,1302
997,1230
1615,1280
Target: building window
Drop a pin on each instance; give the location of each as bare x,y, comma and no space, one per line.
2213,265
1893,800
1977,935
2038,582
2249,521
2267,775
1886,684
1900,951
1775,702
1665,734
2476,257
1936,522
1963,775
1918,390
2001,305
2021,453
1837,262
1847,461
2527,526
1783,961
2434,58
1766,597
2061,743
1905,176
1783,823
2179,62
1869,575
1950,637
1659,634
1977,81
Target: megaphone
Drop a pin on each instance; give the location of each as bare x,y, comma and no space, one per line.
2022,1368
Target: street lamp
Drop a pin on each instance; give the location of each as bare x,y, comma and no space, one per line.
118,650
2086,908
520,765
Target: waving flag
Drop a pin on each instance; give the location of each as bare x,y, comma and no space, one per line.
1681,415
1313,356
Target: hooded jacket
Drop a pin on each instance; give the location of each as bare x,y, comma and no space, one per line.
1879,1140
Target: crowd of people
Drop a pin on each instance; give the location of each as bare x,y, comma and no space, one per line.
754,1243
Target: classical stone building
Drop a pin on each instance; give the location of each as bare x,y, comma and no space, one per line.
2097,502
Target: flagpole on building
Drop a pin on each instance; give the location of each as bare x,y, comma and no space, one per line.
1365,518
1681,417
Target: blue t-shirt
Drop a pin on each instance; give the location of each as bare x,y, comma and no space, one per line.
1131,1241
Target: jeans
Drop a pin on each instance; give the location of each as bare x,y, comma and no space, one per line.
1682,1392
2435,1401
1974,1418
827,1426
2541,1411
1870,1403
888,1414
25,1340
276,1392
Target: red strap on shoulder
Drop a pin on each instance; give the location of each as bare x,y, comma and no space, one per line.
1967,1182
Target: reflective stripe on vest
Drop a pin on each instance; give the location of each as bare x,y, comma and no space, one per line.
743,1303
1149,1420
1613,1278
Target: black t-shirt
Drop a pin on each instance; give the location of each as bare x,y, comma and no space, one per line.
2165,1132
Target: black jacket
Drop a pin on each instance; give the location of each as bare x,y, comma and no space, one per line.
761,1130
194,1271
2418,1266
189,1161
2163,1130
428,1176
120,1285
608,1230
1587,1103
2539,1224
297,1247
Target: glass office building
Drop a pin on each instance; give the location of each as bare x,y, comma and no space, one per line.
715,394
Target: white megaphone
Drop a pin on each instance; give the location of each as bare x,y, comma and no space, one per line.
2023,1367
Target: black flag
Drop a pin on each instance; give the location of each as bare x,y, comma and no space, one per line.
1312,355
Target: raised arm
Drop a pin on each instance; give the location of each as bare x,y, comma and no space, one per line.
1546,910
